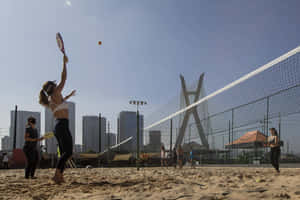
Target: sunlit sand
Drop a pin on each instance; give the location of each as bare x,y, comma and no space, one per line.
204,183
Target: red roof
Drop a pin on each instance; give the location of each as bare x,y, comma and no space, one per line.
250,137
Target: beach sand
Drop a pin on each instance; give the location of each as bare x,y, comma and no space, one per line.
202,183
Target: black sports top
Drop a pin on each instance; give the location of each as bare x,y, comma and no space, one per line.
33,134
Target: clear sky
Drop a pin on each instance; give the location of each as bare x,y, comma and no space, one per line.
146,45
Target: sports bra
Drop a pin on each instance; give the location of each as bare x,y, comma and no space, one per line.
271,139
62,106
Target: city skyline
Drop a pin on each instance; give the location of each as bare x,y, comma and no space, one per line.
140,41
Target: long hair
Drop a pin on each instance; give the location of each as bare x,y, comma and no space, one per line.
46,91
274,131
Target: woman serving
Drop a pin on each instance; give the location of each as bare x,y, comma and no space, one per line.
51,97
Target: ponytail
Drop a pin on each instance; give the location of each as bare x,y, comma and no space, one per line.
47,90
43,98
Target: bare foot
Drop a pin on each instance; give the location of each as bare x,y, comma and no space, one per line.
55,180
62,180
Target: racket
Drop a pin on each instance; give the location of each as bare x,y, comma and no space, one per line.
49,135
60,43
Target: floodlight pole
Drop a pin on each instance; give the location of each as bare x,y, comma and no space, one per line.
100,132
137,103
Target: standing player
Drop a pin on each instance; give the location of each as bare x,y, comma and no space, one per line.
273,142
30,148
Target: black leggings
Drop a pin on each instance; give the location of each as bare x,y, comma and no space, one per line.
275,154
32,158
65,142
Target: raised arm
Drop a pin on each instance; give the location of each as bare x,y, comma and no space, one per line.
61,85
71,94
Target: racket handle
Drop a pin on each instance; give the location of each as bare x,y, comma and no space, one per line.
64,53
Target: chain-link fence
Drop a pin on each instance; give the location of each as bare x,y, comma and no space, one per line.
233,126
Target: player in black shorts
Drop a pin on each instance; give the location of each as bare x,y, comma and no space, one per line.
274,143
30,148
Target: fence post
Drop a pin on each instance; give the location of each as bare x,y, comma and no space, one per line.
279,127
232,124
171,131
268,102
229,144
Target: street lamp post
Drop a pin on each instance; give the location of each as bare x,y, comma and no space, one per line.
137,103
100,128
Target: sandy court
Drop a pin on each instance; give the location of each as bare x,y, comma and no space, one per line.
202,183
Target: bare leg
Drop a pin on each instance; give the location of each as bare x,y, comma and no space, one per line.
58,177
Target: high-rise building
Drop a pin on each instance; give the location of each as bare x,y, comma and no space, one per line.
127,123
22,117
78,148
154,140
90,133
111,138
72,118
155,137
51,144
5,143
